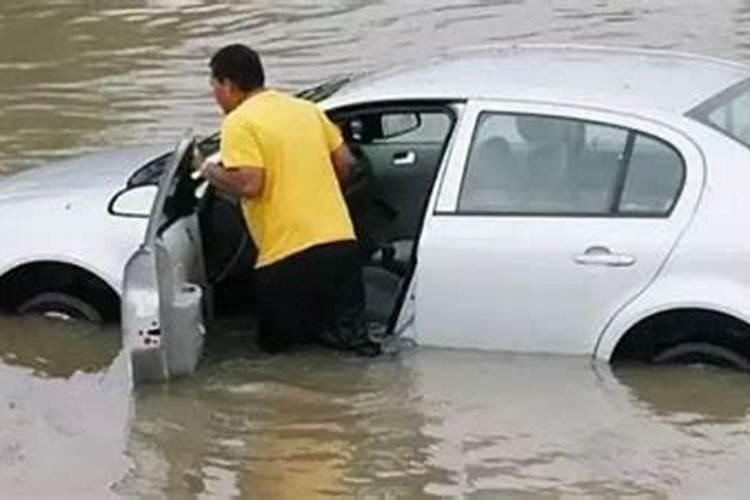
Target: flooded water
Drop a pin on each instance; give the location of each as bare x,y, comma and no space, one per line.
82,76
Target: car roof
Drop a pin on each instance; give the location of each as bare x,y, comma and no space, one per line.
622,79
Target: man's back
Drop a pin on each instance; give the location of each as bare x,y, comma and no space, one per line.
301,205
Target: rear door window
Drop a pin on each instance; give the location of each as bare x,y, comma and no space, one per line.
654,177
553,166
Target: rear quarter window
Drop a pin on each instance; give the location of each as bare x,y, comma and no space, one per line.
728,112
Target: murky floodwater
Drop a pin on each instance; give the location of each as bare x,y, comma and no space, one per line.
80,76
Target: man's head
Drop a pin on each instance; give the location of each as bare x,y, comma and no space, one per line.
236,71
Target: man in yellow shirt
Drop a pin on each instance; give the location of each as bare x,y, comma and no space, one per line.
286,162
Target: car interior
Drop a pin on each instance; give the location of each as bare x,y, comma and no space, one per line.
397,149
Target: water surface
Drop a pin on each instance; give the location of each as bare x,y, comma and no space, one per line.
84,76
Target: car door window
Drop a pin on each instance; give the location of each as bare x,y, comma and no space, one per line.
654,180
540,165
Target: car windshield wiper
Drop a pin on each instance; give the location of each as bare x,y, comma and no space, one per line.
326,89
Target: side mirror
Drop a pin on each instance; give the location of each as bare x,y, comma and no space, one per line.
397,124
134,202
372,127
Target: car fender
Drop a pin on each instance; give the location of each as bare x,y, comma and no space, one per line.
686,291
114,282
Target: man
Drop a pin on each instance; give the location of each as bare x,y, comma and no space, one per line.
287,163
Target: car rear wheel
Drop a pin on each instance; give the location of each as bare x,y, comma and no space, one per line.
703,353
60,306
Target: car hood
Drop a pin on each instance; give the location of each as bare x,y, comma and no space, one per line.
105,171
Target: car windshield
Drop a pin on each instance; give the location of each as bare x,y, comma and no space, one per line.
728,112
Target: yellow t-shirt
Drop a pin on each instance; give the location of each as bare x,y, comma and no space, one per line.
301,205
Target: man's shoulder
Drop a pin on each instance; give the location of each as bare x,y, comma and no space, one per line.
270,108
237,113
242,116
234,120
294,101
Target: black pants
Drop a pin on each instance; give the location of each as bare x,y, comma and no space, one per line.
314,295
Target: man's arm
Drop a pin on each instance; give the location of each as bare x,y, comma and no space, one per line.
342,160
245,182
240,172
341,157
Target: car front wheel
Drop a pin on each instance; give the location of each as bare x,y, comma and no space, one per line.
60,306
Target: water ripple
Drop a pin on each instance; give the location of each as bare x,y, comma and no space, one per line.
433,425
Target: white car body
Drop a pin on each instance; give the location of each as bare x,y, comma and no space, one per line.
58,215
567,283
532,296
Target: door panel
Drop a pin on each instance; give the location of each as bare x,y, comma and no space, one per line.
403,187
518,286
162,299
402,145
179,265
548,280
399,147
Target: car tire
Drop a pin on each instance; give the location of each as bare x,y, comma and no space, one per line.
703,353
62,306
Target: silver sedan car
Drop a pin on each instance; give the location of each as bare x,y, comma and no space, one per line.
547,199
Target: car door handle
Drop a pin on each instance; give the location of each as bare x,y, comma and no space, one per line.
603,256
404,159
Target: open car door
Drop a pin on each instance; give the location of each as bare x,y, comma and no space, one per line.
162,306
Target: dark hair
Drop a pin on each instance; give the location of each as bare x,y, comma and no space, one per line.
239,64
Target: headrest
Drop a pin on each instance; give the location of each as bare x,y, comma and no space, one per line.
545,130
493,146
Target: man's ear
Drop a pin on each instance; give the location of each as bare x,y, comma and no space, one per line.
230,87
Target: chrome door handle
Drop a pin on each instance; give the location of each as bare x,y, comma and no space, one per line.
405,159
603,256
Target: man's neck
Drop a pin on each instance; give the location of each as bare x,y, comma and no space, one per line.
249,95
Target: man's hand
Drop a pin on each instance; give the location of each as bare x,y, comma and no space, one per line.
342,161
210,161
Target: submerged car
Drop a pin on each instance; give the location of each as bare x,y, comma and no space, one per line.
553,199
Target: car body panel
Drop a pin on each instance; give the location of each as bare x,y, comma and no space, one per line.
710,268
65,201
628,80
105,171
512,283
162,305
673,292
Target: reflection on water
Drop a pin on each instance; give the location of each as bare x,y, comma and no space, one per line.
55,349
441,424
79,76
425,424
65,408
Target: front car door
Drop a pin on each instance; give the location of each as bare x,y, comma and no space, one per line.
162,318
404,157
549,219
